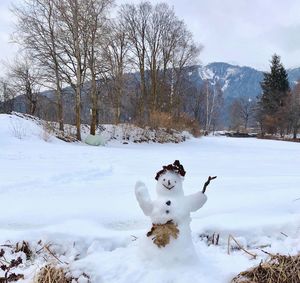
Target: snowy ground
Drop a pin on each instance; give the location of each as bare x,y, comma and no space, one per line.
82,199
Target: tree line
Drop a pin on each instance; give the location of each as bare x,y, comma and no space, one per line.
276,111
93,47
279,104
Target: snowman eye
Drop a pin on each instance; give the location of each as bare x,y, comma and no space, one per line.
175,182
164,179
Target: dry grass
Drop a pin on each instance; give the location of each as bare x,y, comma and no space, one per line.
278,269
54,270
180,123
160,120
52,274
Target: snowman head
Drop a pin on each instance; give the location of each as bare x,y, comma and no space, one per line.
169,179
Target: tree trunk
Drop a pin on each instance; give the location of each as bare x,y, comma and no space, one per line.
59,103
145,118
118,104
78,112
94,105
246,124
78,71
32,107
54,56
295,131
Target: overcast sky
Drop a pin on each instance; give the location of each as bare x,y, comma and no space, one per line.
242,32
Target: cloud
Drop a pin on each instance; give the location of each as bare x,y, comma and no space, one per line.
285,37
247,32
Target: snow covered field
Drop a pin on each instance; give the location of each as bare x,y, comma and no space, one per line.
82,199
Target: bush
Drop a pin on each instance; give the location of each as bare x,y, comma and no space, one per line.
160,120
18,128
180,123
48,131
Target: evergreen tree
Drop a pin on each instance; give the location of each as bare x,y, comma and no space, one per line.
275,93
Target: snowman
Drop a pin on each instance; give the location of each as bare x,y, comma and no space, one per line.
170,236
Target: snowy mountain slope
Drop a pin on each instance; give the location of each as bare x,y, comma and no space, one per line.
294,75
81,198
235,81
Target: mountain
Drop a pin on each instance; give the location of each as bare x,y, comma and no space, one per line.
294,75
235,81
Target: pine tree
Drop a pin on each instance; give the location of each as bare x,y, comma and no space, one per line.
275,93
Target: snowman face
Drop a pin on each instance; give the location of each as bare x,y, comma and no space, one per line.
169,183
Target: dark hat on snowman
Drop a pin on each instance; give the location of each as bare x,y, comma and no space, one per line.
175,167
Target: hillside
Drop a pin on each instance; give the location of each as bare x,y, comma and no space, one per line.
235,81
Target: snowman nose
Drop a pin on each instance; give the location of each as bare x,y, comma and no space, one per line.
169,183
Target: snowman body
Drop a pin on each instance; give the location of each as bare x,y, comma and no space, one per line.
171,205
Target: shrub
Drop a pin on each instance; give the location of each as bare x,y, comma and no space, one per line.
160,120
182,122
48,131
18,129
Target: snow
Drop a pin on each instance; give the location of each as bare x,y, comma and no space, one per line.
225,86
206,73
81,199
231,72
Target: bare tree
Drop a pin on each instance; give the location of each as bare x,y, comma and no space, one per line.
96,33
6,97
115,51
25,79
213,99
37,32
242,112
206,104
161,49
81,28
171,50
136,19
64,35
73,41
196,104
154,39
294,110
75,46
234,111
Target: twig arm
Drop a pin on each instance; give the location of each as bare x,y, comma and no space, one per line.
207,183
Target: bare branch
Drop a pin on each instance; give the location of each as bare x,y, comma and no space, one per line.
207,183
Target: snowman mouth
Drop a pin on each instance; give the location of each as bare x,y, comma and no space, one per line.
169,188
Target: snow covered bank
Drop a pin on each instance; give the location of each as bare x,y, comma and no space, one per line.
81,199
122,133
